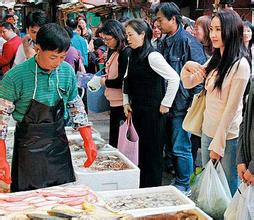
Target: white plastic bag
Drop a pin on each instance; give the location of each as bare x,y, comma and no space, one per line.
245,205
213,198
195,187
94,84
223,179
250,201
236,203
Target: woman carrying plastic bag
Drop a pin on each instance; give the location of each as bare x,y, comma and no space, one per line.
214,195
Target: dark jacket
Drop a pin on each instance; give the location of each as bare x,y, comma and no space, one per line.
246,136
177,50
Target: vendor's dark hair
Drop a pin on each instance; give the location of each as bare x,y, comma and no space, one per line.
141,26
53,37
169,10
115,29
36,18
232,38
7,25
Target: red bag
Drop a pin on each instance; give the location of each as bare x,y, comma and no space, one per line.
128,140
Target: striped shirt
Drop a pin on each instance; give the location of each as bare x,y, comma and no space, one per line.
17,88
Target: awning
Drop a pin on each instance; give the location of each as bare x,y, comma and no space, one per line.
7,3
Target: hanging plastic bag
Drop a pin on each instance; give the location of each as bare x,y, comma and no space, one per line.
128,140
96,100
195,185
250,201
212,197
245,204
236,203
223,179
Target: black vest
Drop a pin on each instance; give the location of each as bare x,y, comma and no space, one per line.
145,86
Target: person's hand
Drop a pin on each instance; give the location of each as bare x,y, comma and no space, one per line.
241,169
102,80
29,51
4,166
89,145
196,69
214,156
5,172
164,109
26,40
248,178
127,109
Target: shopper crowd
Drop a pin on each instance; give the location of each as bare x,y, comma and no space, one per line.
152,71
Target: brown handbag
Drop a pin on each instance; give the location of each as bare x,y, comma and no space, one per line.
195,114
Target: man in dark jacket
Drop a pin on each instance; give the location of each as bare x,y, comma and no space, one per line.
179,47
245,157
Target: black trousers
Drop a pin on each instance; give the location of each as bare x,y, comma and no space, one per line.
150,126
116,116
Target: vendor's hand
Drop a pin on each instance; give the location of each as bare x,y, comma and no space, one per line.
248,178
89,145
214,156
241,169
164,109
4,166
127,109
5,171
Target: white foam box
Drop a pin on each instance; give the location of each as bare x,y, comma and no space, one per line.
108,180
201,215
186,203
197,211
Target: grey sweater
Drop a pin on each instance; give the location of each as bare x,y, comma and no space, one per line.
246,136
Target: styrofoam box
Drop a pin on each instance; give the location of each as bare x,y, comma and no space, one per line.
187,204
109,180
201,215
197,211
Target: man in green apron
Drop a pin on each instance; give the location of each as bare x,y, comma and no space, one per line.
37,93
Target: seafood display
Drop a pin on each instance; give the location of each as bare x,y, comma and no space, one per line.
76,142
70,195
103,162
141,201
147,201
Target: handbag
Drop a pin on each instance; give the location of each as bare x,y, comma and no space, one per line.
195,114
128,140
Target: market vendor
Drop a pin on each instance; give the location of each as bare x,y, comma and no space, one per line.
37,93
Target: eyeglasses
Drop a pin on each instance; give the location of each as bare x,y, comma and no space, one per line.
108,39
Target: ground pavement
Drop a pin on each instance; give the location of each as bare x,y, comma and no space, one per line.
101,123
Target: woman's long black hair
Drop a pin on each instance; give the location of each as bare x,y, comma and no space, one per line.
232,38
141,26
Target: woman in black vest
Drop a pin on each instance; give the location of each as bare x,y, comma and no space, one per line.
145,97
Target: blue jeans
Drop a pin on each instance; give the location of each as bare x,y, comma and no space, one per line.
181,151
228,162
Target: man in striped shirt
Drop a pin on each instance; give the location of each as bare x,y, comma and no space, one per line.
38,93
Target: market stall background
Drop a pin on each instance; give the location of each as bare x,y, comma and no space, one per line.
100,10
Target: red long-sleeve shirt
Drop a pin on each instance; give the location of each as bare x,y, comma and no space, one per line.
9,52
